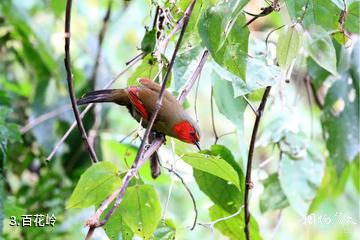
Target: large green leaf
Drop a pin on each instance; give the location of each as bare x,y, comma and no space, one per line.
255,79
184,66
323,13
321,49
273,196
116,227
226,196
166,230
141,210
233,227
352,22
228,47
232,108
214,165
287,47
95,184
148,68
340,121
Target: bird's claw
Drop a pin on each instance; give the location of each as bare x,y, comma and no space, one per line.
250,184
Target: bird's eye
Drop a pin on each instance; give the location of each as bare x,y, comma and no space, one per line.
192,133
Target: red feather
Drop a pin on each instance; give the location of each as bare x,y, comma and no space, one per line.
133,93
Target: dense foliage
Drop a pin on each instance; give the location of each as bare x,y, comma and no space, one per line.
305,170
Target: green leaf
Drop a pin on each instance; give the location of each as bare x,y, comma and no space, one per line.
229,106
213,165
340,120
233,227
11,208
148,68
149,41
352,22
299,180
140,209
323,13
287,47
273,197
58,7
95,184
321,48
166,230
318,74
228,197
117,227
184,66
228,47
255,79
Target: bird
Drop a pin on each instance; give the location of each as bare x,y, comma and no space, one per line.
172,120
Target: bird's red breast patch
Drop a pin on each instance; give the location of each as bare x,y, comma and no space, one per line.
134,98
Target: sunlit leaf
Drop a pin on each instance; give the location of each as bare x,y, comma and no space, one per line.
228,197
287,47
95,184
234,226
166,230
352,22
213,165
228,47
141,210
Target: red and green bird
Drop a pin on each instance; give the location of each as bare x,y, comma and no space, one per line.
171,120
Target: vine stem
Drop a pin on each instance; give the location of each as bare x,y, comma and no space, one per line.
248,183
70,81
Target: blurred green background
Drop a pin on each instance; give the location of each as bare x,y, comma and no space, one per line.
33,83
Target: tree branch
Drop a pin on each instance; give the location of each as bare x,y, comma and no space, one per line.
69,78
145,152
248,183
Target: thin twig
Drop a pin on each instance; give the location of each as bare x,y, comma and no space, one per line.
44,117
212,115
69,78
250,158
211,225
143,153
88,107
250,105
190,194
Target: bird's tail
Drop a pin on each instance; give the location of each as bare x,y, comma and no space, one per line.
118,96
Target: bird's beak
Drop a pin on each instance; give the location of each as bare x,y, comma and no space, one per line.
197,145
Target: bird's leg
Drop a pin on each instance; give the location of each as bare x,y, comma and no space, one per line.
154,158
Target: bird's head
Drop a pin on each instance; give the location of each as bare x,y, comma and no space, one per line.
187,132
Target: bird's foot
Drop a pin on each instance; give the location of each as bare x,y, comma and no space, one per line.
250,184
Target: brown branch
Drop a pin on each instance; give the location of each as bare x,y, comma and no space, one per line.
69,78
145,152
248,183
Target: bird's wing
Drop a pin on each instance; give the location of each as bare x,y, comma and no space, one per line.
137,102
150,84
